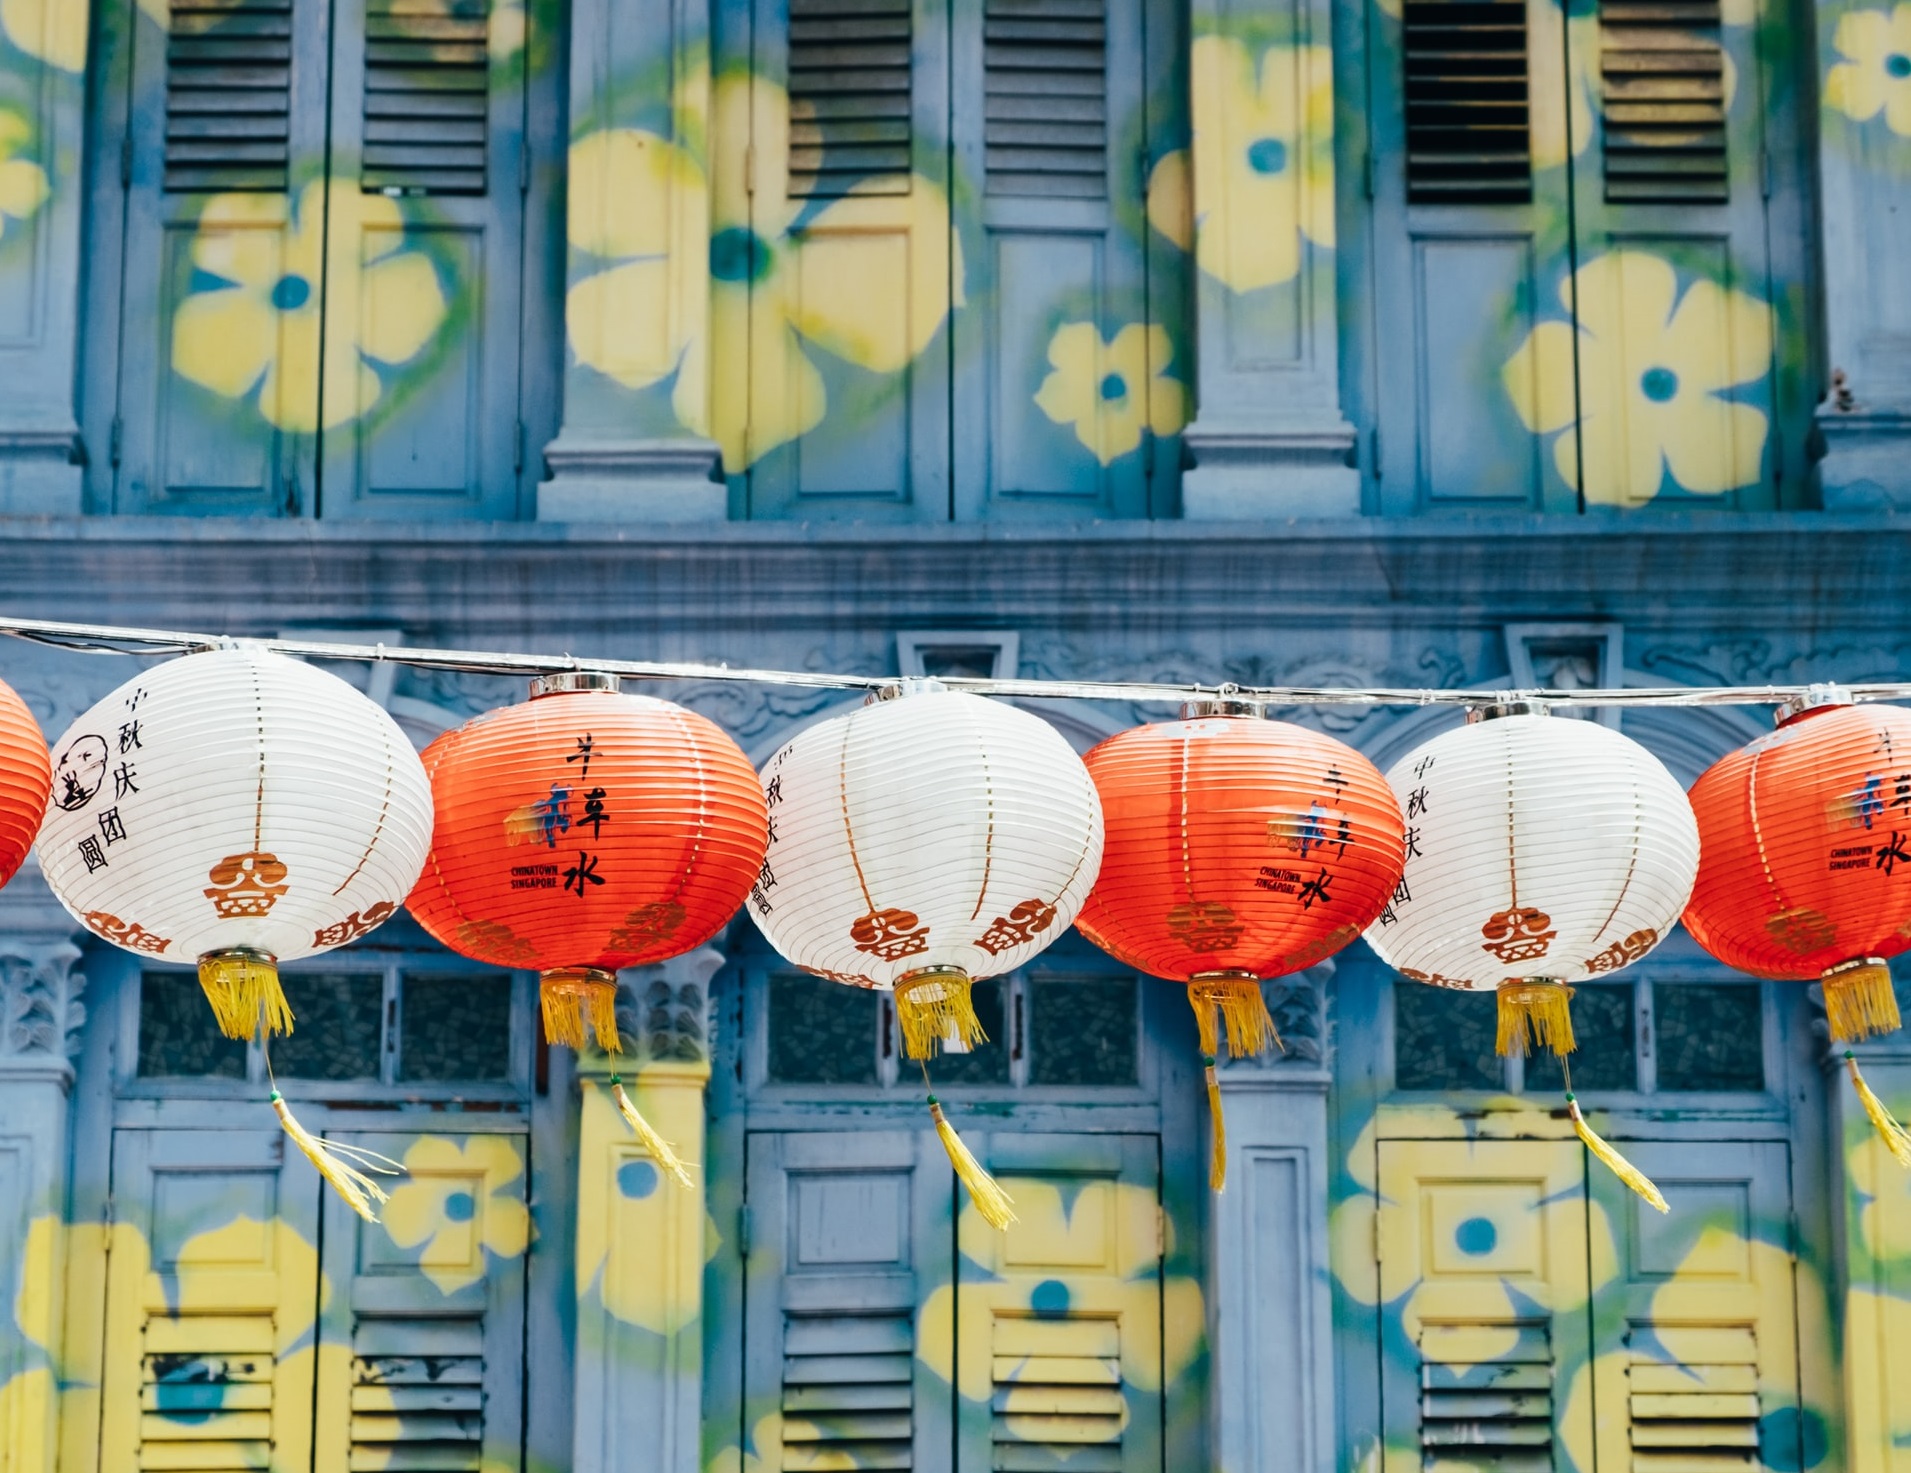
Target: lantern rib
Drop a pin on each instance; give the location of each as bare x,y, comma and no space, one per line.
126,639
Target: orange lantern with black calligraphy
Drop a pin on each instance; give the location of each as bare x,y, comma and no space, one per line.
1805,864
26,778
1237,849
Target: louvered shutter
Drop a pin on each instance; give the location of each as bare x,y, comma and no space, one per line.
1490,1410
228,95
1662,80
849,96
417,1392
1700,1416
1057,1398
1467,114
1045,112
426,104
848,1391
209,1331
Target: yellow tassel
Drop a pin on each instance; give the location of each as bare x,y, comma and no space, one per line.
667,1159
1631,1175
1233,998
995,1205
1218,1166
1535,1014
937,1011
1859,1001
573,996
342,1165
243,988
1897,1140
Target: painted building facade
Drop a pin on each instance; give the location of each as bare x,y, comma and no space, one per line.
1463,343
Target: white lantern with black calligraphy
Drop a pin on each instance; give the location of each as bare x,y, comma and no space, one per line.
239,809
1540,850
923,841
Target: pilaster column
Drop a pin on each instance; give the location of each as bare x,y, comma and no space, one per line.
1268,438
640,1236
634,442
40,1020
42,122
1864,139
1273,1392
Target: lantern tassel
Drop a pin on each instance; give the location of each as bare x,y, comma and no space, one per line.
937,1011
995,1205
1859,1001
1218,1164
1620,1167
1897,1140
243,988
668,1161
344,1166
1535,1015
574,996
1233,999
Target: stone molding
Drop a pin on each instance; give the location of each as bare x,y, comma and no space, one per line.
41,1014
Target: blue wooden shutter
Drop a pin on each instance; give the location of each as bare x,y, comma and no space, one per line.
428,114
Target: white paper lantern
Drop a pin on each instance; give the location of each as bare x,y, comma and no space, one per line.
922,841
1540,850
240,809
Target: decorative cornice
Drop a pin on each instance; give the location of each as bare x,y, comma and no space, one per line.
41,1014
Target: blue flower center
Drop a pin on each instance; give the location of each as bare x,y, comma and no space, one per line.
1897,64
459,1207
1267,155
737,254
1476,1236
289,293
1050,1298
1114,387
1659,384
637,1179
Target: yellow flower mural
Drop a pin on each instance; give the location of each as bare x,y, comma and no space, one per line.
1111,391
260,327
866,278
23,183
53,31
453,1207
1262,163
1874,73
1653,365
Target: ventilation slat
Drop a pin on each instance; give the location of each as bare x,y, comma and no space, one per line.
1469,135
848,1391
1057,1400
849,97
426,105
1493,1415
417,1394
1045,104
205,1393
1662,78
228,97
1697,1416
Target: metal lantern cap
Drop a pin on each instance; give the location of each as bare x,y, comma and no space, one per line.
1493,712
1813,698
566,682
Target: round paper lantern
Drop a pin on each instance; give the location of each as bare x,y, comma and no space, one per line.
239,808
923,841
1540,850
1237,849
1806,874
26,777
586,830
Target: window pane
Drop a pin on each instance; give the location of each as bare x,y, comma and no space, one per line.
177,1036
455,1028
821,1032
335,1025
1710,1037
1605,1058
1443,1039
986,1063
1082,1031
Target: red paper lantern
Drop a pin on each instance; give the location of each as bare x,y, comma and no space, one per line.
1805,861
1237,849
26,779
583,831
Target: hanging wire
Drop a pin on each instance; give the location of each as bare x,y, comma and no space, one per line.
126,640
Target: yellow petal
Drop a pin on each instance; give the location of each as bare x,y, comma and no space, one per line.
622,323
1854,90
507,1226
1247,173
1624,462
304,249
1897,107
627,189
1864,36
871,276
241,239
1717,339
1068,394
223,340
52,30
1539,378
1624,297
1715,448
401,308
1171,198
750,335
751,110
23,188
289,397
